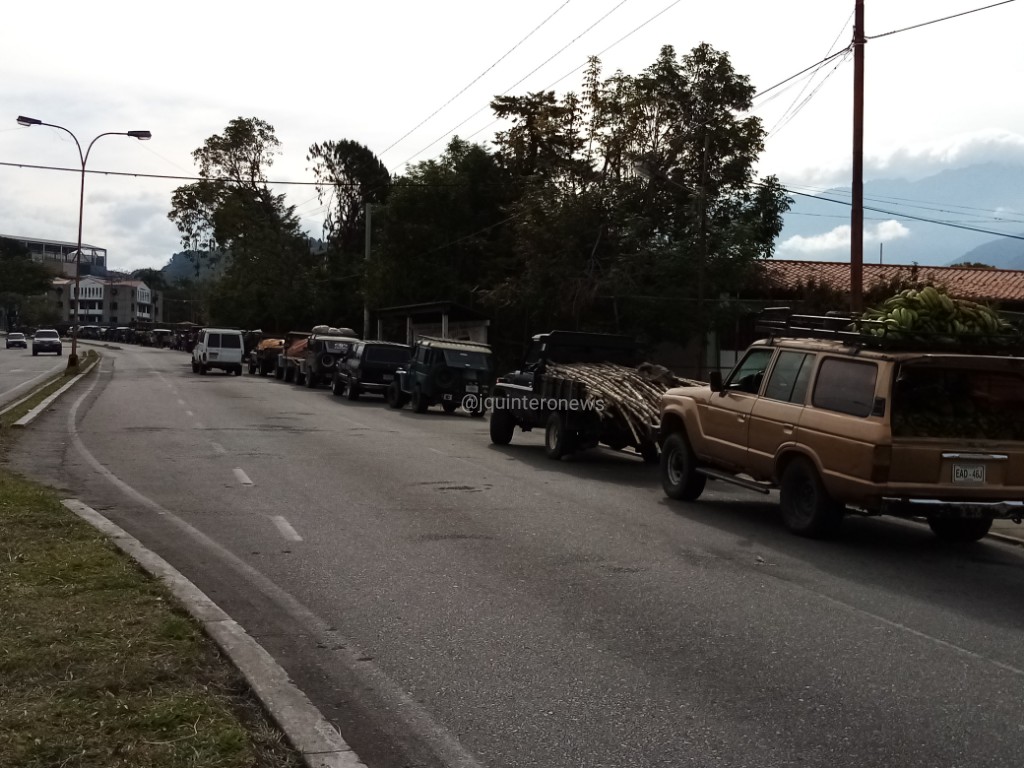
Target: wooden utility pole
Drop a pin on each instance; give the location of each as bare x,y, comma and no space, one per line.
857,209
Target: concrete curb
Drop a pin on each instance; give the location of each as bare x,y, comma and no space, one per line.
29,417
1006,537
319,742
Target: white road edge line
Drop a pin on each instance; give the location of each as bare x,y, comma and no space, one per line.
189,413
50,372
319,742
286,529
242,477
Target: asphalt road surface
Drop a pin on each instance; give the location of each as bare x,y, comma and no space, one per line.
450,603
20,371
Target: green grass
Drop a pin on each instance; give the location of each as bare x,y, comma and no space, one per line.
99,667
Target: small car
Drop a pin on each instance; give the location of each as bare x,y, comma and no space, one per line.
47,340
17,340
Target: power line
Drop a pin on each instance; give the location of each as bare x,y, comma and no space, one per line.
475,80
936,21
805,70
518,82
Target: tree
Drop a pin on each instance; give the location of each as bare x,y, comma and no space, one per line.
232,214
22,280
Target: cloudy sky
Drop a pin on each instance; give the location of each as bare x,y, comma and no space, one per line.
940,95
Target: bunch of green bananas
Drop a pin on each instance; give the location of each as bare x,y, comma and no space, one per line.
931,311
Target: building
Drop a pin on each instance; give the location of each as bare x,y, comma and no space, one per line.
110,301
60,256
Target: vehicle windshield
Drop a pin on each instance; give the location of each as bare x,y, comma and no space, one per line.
337,347
460,358
18,336
397,355
47,335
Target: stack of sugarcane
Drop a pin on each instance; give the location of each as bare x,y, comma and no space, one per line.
632,395
930,312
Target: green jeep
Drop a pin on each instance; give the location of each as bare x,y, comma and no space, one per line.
444,372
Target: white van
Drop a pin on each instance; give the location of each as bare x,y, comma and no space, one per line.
218,348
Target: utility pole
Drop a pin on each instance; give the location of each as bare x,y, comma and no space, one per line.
857,209
366,305
703,256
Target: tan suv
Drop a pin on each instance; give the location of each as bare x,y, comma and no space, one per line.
838,425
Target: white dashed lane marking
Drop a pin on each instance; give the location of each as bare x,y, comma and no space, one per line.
242,477
219,448
286,529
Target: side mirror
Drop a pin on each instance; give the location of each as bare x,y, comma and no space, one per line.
715,380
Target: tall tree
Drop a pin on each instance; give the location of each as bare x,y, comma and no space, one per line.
232,213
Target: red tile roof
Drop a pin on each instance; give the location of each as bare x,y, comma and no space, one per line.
961,282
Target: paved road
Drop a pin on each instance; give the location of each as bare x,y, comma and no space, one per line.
447,602
19,371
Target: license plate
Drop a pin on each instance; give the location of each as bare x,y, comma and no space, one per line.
969,474
472,388
388,377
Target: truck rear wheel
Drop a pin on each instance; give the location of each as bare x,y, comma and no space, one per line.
503,427
419,402
558,440
806,507
960,530
679,476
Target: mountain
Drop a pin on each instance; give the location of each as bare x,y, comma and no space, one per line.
1004,253
987,196
182,266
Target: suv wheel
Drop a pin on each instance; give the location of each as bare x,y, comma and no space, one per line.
503,427
311,379
195,367
807,509
449,406
337,388
419,402
352,392
960,530
252,367
679,476
396,399
557,438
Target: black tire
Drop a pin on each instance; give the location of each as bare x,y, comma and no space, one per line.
337,388
419,402
960,530
300,378
449,406
503,427
195,368
477,413
34,353
202,369
252,368
395,396
351,392
444,377
806,507
679,476
289,374
278,372
558,441
311,379
649,452
238,371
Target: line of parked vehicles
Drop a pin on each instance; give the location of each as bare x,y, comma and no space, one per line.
837,421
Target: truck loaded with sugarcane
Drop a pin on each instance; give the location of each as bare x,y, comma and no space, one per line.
583,390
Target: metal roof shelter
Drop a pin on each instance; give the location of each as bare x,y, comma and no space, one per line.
444,319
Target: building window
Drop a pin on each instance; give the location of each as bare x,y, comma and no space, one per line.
113,305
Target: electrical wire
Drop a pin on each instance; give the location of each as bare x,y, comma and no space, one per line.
474,81
514,85
936,21
784,120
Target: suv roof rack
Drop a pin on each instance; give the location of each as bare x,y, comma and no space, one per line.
781,322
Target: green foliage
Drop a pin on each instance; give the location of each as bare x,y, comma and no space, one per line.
20,275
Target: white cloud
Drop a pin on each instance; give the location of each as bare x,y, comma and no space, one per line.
838,239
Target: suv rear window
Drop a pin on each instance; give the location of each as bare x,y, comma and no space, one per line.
846,386
458,358
398,355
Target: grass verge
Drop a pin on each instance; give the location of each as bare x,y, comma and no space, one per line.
99,667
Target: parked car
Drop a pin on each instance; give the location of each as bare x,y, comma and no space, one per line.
17,340
840,423
369,369
47,340
443,372
218,348
263,357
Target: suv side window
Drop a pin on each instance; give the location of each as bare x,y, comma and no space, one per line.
747,376
789,377
846,386
213,340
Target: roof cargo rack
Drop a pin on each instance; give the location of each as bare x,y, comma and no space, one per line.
781,322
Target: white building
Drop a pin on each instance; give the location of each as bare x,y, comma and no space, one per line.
107,301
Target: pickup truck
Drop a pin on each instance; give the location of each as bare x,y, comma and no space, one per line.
841,422
582,389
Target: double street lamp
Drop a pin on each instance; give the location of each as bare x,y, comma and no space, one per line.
84,158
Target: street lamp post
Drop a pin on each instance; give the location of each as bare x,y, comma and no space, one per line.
83,158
